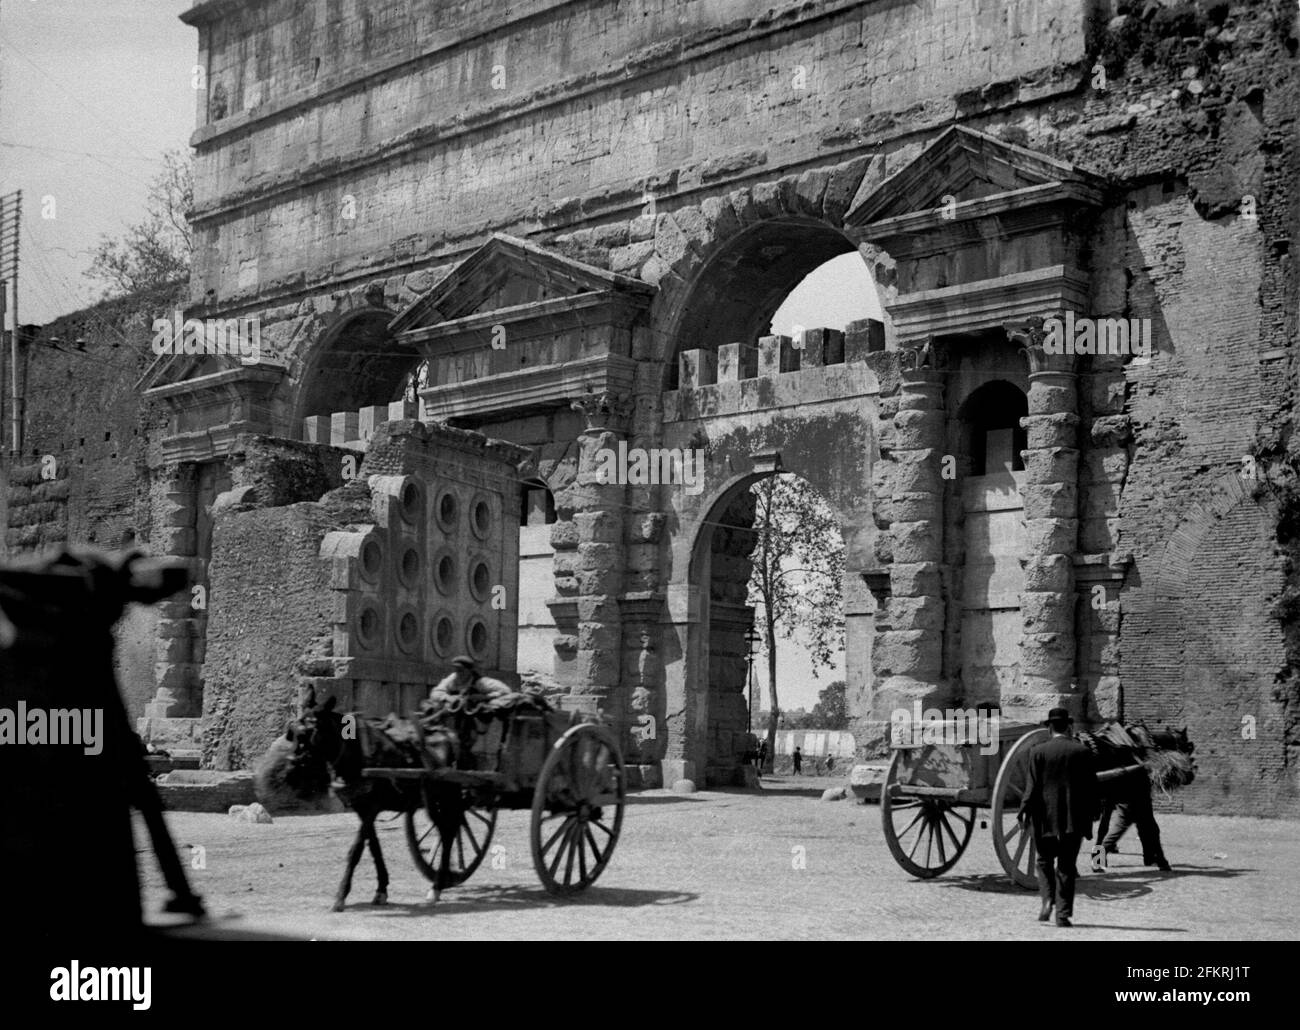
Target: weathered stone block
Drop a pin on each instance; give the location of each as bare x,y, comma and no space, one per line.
863,337
918,430
922,391
1051,465
598,526
1113,430
697,368
316,429
369,419
917,472
1049,655
345,426
1050,536
737,361
911,613
1047,572
915,579
1051,399
822,347
594,556
915,507
1047,611
1051,430
777,354
1051,501
916,541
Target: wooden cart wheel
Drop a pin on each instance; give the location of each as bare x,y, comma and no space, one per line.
926,835
473,836
578,808
1013,843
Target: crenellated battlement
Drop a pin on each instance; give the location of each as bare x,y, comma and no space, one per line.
777,371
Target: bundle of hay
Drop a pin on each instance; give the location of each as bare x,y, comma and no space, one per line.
1117,746
1167,769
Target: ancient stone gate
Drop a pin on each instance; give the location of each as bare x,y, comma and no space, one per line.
578,218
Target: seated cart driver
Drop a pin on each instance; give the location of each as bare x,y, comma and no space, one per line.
467,689
466,702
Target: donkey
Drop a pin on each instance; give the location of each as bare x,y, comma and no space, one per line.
326,741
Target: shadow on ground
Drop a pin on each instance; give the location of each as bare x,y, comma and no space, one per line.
486,899
1112,886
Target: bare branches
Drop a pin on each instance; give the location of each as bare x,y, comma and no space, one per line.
156,251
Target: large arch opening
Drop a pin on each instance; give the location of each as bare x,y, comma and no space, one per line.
737,294
831,296
356,364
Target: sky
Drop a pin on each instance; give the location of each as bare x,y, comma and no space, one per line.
92,92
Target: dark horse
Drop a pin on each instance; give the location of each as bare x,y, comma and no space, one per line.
1165,755
1138,761
325,741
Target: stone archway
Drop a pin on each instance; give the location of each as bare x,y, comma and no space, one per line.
722,562
709,266
722,270
354,363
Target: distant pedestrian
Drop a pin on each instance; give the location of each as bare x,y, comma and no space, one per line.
762,755
797,758
1059,801
830,764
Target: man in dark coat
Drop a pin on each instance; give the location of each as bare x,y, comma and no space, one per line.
1060,801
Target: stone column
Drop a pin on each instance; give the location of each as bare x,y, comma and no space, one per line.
1051,500
907,657
171,718
597,513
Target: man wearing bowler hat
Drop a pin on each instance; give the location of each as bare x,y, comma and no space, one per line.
1059,802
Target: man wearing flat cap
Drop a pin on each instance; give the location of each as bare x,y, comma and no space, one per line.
1059,802
467,688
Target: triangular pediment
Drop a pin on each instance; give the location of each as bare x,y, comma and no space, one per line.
176,368
507,272
965,165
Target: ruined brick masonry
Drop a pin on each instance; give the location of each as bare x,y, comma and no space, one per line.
580,217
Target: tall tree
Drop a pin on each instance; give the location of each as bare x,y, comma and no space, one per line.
831,712
155,251
797,581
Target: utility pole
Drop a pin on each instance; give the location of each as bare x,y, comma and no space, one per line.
11,207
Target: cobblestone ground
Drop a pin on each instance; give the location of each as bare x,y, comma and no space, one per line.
723,865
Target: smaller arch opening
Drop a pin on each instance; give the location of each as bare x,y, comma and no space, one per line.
536,504
994,437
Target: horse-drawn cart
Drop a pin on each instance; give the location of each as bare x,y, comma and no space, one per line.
568,773
932,792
